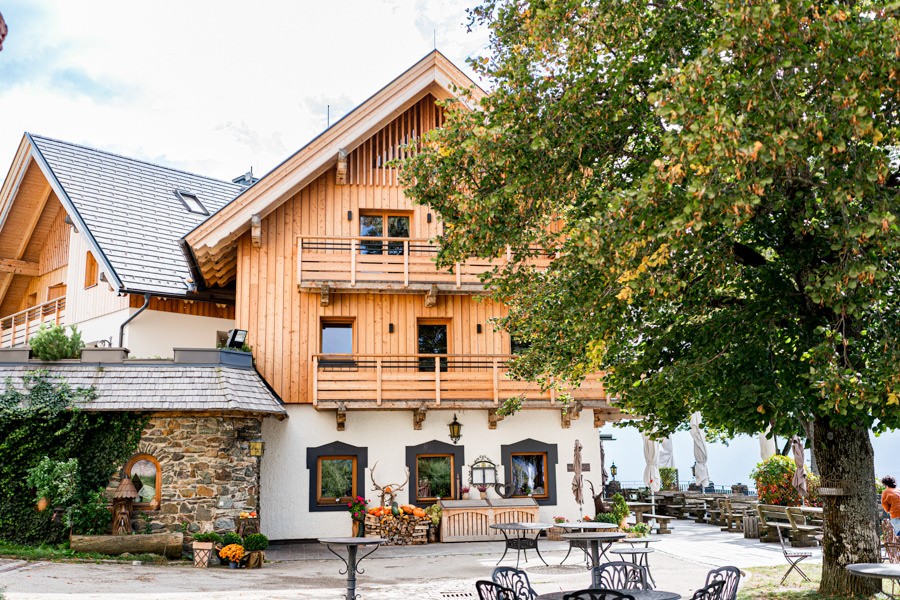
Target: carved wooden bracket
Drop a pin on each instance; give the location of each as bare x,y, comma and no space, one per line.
569,414
341,416
599,418
431,296
419,417
325,295
493,418
340,177
256,231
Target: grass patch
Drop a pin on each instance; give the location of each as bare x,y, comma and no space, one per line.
62,552
763,583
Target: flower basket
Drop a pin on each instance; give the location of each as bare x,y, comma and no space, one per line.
254,559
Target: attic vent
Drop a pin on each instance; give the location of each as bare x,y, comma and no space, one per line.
191,202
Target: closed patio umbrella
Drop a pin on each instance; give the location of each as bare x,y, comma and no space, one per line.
767,447
799,479
701,471
578,480
651,457
666,453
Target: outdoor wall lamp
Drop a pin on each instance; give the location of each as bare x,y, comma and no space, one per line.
349,215
236,338
455,429
613,469
257,447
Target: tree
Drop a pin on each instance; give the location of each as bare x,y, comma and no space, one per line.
715,184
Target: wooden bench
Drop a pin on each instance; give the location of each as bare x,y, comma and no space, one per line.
770,518
803,527
662,522
733,516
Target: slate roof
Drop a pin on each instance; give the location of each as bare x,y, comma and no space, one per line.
162,387
131,209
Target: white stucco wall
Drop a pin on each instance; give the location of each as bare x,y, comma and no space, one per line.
285,480
155,333
102,328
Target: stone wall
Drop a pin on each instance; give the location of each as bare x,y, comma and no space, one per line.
208,475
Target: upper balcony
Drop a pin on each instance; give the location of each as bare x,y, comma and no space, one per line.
17,328
387,264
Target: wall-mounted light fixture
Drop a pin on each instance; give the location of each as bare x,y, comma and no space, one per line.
390,328
613,470
257,447
349,215
478,328
428,217
236,338
455,429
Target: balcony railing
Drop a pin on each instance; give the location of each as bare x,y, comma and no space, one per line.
414,380
16,328
386,263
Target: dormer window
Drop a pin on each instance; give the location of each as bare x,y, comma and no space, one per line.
191,202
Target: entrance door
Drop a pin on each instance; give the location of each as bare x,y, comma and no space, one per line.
432,340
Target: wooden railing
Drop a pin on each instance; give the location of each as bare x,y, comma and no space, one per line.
408,380
394,262
16,328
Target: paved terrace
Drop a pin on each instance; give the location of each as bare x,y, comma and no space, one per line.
430,572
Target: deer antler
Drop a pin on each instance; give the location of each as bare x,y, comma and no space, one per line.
375,486
402,485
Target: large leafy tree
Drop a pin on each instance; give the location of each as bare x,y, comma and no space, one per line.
715,183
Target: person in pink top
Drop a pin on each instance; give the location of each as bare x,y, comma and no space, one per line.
890,502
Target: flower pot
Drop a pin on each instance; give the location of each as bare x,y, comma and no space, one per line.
233,565
555,533
202,554
359,528
254,559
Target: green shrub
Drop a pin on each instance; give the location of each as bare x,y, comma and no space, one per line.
773,483
255,541
52,343
231,538
606,517
212,536
620,507
55,480
640,529
668,478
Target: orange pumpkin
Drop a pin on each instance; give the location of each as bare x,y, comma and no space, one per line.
418,512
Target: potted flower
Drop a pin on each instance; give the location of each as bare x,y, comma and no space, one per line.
255,544
482,491
233,553
555,533
203,546
357,508
638,530
227,540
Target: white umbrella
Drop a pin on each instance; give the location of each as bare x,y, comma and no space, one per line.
767,447
666,453
651,456
701,471
578,480
799,479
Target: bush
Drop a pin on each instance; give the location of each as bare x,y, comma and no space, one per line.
55,480
231,538
52,343
91,516
606,517
255,541
639,529
773,483
212,536
668,478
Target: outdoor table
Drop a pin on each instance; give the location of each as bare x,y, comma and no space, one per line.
516,537
352,562
638,556
636,594
639,508
596,539
878,571
583,526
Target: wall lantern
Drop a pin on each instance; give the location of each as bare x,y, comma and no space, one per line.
349,215
613,469
257,447
236,338
455,429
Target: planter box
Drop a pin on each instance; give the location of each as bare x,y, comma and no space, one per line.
254,559
165,544
202,553
554,534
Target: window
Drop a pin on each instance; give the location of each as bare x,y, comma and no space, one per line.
337,337
380,225
434,477
530,467
144,472
91,271
517,346
56,291
191,202
336,479
432,339
434,470
336,472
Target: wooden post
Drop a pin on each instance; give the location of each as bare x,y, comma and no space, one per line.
315,382
406,263
496,382
378,390
353,261
299,261
458,277
437,380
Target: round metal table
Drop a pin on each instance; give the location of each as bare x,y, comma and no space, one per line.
638,556
352,545
600,541
584,526
636,594
878,571
516,536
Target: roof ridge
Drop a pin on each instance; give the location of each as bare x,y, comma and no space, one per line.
132,159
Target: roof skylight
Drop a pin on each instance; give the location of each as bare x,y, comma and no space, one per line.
191,202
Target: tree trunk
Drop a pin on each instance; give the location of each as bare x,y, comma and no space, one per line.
166,544
844,454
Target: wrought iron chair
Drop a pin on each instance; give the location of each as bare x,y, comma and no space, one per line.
488,590
597,594
793,557
710,591
515,580
622,575
730,577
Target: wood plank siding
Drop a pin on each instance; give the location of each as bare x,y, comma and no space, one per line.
284,318
185,307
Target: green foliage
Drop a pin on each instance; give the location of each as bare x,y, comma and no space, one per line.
773,483
639,529
44,425
212,536
436,471
668,478
55,480
231,537
51,342
256,541
434,513
337,478
606,517
620,507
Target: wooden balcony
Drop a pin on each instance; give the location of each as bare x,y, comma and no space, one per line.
416,381
16,328
393,264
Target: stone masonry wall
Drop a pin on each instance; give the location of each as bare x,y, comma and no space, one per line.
208,475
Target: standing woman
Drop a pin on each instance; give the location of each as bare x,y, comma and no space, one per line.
890,502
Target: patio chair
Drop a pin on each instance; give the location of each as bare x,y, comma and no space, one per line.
597,594
622,575
890,545
710,591
793,557
515,580
730,577
488,590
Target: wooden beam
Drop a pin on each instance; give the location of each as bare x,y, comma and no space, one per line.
431,296
341,417
256,230
419,417
340,177
493,418
19,267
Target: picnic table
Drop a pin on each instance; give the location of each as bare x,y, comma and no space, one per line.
639,508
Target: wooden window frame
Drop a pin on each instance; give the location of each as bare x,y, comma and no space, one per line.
546,475
322,500
158,497
453,490
384,214
351,321
91,270
55,287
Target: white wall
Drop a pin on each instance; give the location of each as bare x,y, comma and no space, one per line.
155,333
286,480
102,328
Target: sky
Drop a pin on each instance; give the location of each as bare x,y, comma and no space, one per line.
218,87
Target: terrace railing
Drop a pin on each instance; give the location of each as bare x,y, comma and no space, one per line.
17,328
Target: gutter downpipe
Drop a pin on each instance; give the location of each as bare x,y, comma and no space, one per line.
131,318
